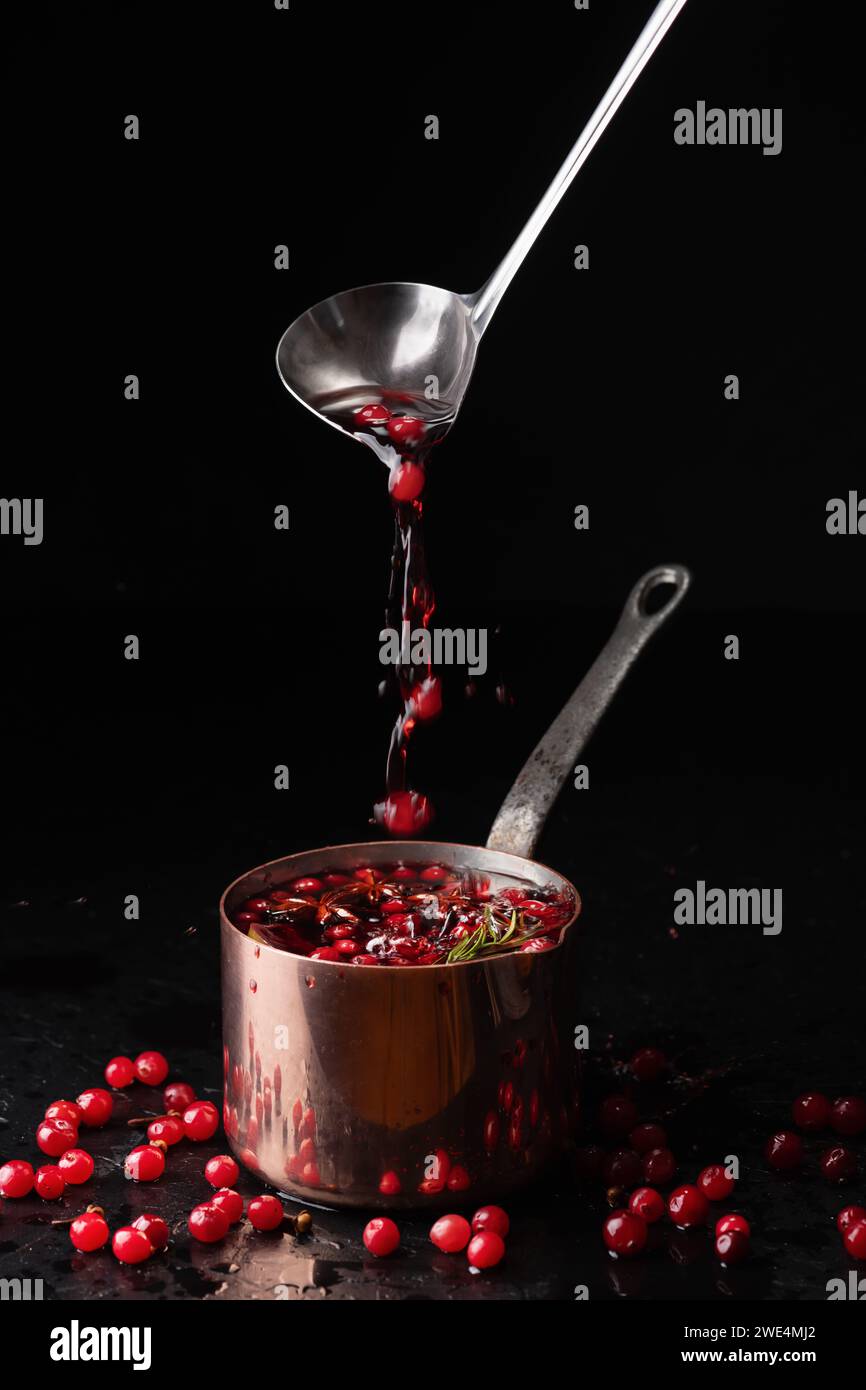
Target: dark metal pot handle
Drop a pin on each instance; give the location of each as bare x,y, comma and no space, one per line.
526,807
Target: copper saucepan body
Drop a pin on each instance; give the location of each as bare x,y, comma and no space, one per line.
365,1086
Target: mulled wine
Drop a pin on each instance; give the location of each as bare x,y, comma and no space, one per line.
406,914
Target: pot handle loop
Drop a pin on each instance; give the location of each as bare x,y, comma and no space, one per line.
525,809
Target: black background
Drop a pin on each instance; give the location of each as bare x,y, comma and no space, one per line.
602,387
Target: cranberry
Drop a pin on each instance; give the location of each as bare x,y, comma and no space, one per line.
131,1245
646,1137
336,880
16,1178
855,1240
96,1106
247,919
151,1068
208,1223
306,886
54,1137
659,1167
120,1072
222,1171
406,429
458,1179
426,699
731,1247
76,1165
648,1204
811,1110
450,1234
622,1168
847,1216
406,481
618,1115
406,813
624,1233
169,1128
784,1151
838,1164
257,905
648,1063
687,1206
715,1183
146,1163
491,1219
365,960
389,1184
200,1120
325,953
229,1201
49,1182
265,1213
491,1130
381,1236
178,1095
848,1115
154,1228
64,1110
733,1222
89,1231
485,1250
371,415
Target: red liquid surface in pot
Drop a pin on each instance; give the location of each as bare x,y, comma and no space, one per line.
406,915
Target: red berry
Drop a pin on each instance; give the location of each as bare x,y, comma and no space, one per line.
811,1111
381,1236
715,1183
847,1216
848,1115
648,1204
491,1130
406,429
146,1163
624,1233
618,1115
16,1178
389,1184
622,1168
784,1151
325,953
307,886
151,1068
76,1165
265,1213
491,1219
733,1222
49,1183
154,1228
120,1072
406,482
208,1223
731,1247
648,1063
485,1250
855,1240
458,1179
365,960
405,813
257,905
222,1171
371,415
168,1128
838,1164
178,1095
646,1137
687,1206
426,699
659,1167
434,873
64,1110
54,1137
131,1245
229,1201
89,1231
200,1120
96,1107
451,1233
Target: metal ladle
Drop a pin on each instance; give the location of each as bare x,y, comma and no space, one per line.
399,336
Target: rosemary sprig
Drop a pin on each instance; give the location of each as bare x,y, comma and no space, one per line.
489,936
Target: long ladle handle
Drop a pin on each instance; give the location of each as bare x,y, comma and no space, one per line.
485,302
525,809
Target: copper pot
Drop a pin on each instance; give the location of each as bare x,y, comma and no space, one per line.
339,1076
